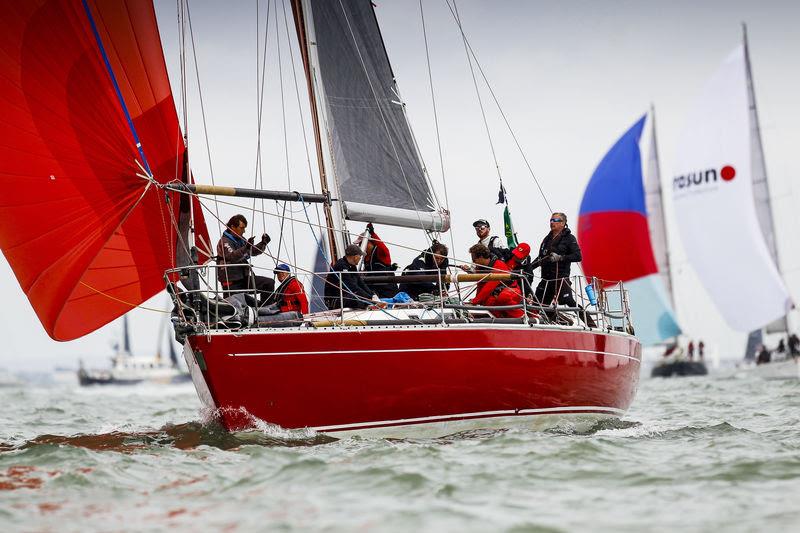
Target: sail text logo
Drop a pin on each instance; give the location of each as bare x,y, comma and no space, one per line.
702,178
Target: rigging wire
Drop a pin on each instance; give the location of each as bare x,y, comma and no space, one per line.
285,133
480,100
202,107
261,69
302,117
497,103
436,120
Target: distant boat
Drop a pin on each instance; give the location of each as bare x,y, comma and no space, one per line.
127,369
622,234
622,216
9,380
722,204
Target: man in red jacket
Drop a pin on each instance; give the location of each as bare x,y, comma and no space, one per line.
494,292
290,295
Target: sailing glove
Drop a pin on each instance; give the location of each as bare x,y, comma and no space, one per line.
554,257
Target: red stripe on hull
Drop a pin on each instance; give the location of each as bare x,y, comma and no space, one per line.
377,377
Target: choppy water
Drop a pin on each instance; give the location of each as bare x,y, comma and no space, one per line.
701,454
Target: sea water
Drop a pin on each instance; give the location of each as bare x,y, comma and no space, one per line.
697,454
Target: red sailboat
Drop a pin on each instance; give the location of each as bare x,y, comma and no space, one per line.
92,137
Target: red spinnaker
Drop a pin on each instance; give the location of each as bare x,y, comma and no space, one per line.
86,237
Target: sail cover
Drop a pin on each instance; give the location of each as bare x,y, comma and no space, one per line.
615,238
375,159
81,84
713,196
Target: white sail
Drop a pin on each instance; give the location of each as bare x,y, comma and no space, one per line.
713,196
656,222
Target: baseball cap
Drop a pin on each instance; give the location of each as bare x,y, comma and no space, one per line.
282,267
353,249
522,251
480,222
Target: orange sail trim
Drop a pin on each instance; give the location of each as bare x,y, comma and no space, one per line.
87,238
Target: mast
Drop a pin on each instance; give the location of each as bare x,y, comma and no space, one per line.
657,218
760,182
761,193
300,26
126,340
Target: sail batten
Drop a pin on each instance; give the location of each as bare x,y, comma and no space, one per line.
374,158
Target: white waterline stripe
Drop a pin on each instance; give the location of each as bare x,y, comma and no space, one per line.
466,349
482,414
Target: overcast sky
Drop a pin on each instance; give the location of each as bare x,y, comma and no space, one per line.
571,76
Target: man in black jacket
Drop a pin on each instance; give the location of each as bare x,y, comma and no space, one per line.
345,286
558,250
431,261
234,249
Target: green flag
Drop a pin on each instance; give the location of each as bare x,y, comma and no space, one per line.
511,235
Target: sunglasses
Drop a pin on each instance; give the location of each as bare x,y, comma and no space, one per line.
481,227
556,220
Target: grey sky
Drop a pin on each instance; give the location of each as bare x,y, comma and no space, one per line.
571,76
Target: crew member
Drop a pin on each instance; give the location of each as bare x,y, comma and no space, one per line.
234,250
290,295
378,262
495,292
431,261
345,285
559,249
492,242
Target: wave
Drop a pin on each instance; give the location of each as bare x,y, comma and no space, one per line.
184,436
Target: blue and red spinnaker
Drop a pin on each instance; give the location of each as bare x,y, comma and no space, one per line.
615,241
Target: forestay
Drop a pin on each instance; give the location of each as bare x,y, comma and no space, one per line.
713,197
376,166
87,238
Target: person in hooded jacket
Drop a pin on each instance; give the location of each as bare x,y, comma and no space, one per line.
431,261
290,295
558,250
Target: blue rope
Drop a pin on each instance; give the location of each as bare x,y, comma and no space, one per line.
116,86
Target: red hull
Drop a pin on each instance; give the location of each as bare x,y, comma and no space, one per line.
355,379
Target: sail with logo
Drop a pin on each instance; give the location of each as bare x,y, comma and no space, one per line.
621,216
721,201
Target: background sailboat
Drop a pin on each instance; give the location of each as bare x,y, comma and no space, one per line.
622,234
722,202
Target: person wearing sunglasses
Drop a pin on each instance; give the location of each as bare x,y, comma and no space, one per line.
494,243
559,249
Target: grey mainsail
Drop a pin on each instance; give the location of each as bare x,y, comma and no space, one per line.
378,173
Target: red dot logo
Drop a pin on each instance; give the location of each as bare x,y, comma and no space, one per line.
728,173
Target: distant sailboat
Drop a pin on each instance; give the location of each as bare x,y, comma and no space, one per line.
622,234
722,204
128,369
